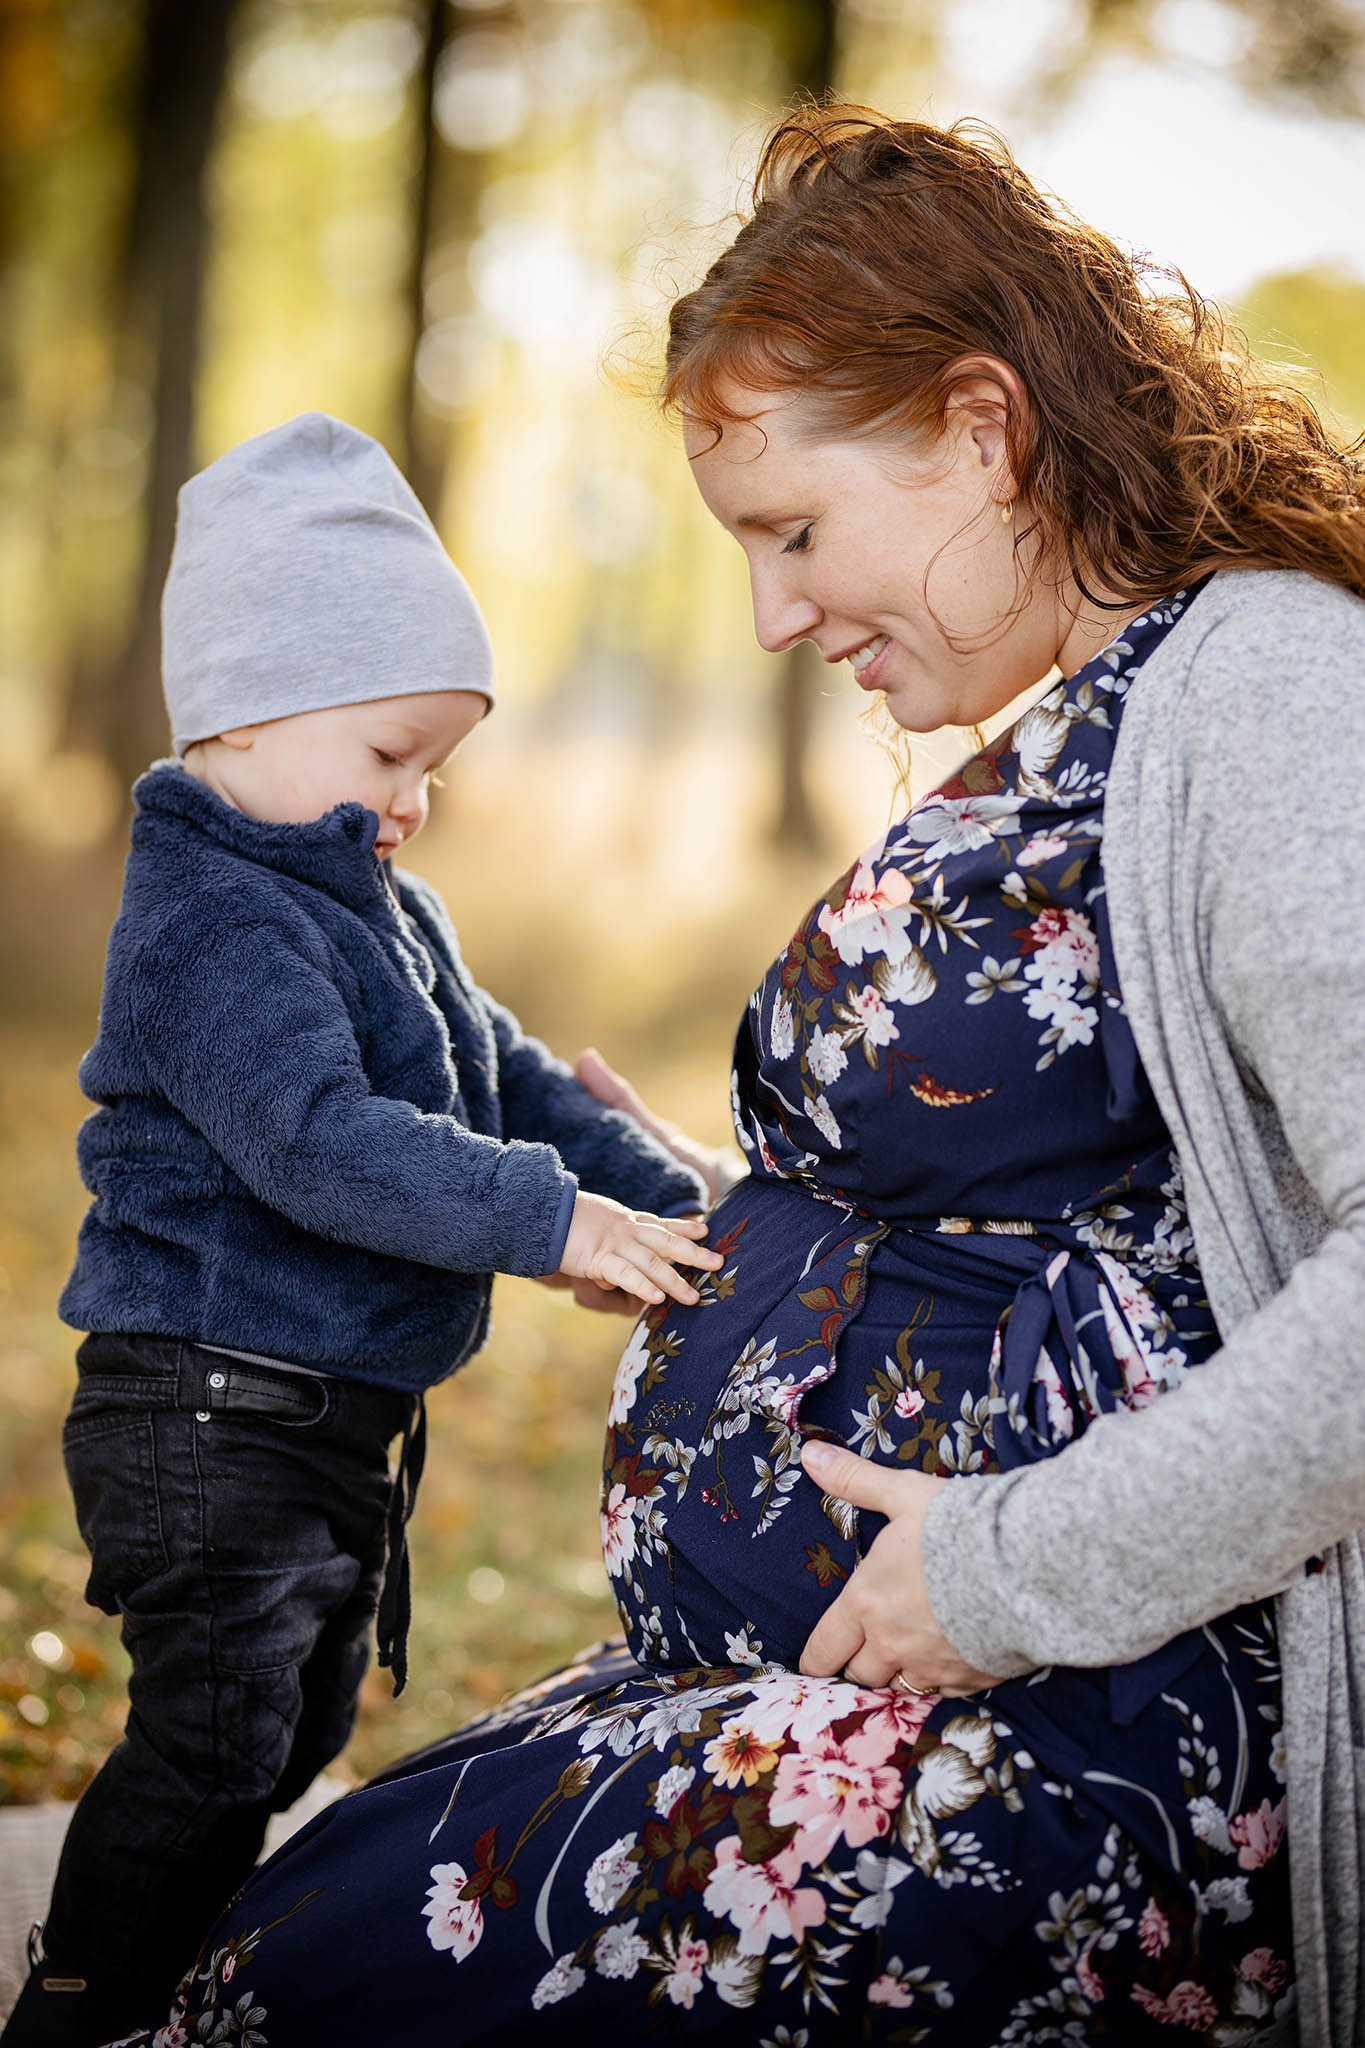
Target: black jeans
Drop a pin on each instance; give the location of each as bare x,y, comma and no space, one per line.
238,1518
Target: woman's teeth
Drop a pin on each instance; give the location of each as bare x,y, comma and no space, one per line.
863,657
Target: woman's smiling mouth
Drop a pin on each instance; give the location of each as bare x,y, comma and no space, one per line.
868,661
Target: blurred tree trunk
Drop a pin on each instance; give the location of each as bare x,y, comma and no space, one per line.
795,827
422,452
116,707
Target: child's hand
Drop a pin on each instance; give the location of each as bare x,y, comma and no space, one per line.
615,1247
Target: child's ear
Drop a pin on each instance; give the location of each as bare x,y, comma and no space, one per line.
241,737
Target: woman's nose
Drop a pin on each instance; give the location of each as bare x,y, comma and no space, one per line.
782,616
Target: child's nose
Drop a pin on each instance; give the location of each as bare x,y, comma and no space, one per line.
410,804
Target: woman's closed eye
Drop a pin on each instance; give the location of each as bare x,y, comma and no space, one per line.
799,542
389,760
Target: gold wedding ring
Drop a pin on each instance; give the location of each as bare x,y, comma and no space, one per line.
919,1692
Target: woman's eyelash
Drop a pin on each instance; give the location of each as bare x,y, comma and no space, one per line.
798,543
389,760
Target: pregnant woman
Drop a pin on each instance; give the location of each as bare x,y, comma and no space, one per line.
1037,1779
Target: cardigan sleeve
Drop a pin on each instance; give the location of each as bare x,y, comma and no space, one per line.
249,1038
1154,1522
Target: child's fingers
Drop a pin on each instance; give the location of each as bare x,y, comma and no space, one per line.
681,1250
642,1273
687,1226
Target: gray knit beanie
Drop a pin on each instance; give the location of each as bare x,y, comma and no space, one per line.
305,574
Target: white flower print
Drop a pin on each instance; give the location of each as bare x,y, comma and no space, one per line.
825,1056
618,1531
994,979
1227,1895
633,1361
1210,1824
610,1875
874,1016
740,1649
825,1121
958,824
561,1980
617,1731
1074,1023
670,1789
452,1922
680,1715
782,1036
620,1950
874,916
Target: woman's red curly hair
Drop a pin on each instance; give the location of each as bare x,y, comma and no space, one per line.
880,254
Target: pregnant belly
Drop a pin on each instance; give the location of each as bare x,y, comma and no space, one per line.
720,1550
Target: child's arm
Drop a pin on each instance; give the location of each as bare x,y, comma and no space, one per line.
243,1030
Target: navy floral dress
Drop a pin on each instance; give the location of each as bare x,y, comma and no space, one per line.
961,1240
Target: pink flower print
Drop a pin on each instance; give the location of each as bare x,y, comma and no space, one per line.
1189,2005
874,1016
873,917
889,1990
1257,1834
1088,1980
762,1900
172,2035
828,1791
895,1721
229,1969
452,1922
1040,848
618,1531
786,1703
684,1980
1154,1929
1263,1967
1064,948
909,1402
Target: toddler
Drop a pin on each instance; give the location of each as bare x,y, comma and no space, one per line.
316,1142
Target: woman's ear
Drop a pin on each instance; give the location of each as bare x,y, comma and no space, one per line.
986,399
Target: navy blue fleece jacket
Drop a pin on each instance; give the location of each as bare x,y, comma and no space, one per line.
317,1138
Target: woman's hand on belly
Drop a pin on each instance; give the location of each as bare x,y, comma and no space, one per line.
882,1625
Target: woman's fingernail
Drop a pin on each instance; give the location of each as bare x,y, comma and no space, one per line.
817,1457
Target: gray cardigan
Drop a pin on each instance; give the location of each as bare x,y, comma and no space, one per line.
1234,855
